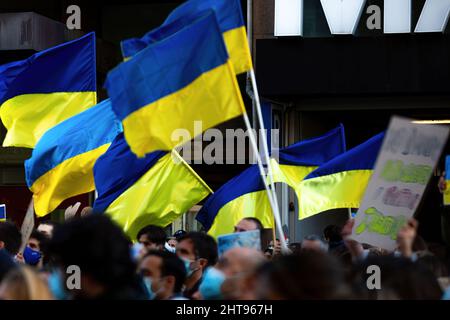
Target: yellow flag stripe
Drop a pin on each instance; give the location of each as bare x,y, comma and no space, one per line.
27,117
334,191
213,98
159,197
70,178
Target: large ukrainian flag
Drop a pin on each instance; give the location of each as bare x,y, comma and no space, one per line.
245,195
231,22
171,84
47,88
341,182
61,165
154,190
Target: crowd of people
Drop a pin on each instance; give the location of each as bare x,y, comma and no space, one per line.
187,266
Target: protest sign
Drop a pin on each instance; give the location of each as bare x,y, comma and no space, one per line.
27,226
403,168
248,239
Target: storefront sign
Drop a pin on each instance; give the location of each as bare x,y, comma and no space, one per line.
343,16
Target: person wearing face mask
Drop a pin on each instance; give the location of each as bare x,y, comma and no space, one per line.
198,251
210,287
163,274
33,251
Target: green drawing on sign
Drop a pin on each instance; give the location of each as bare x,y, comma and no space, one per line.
376,222
397,171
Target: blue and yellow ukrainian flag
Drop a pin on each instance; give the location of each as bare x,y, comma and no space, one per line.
61,165
447,181
154,190
245,195
171,84
300,159
47,88
2,213
231,22
341,182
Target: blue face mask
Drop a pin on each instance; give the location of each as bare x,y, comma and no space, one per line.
187,265
148,286
136,250
211,283
31,256
55,284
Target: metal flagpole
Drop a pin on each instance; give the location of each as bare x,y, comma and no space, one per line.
276,210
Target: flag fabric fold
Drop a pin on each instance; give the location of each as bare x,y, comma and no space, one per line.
61,165
341,182
47,88
168,86
231,23
154,190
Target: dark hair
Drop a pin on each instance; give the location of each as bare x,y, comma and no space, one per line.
307,275
101,250
171,265
11,237
400,279
179,233
434,264
332,233
259,225
39,236
154,234
6,264
204,246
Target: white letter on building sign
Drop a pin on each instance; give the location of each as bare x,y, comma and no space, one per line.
343,15
288,17
397,16
434,16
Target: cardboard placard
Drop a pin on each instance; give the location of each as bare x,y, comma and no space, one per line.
249,239
403,169
27,226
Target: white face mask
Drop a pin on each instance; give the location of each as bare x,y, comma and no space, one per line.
169,248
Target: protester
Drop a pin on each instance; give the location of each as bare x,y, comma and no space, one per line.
198,252
171,244
401,278
152,237
102,252
33,251
312,274
248,224
239,266
336,245
10,238
6,264
314,243
164,275
24,283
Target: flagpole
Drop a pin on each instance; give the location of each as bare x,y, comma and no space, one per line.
272,200
276,212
